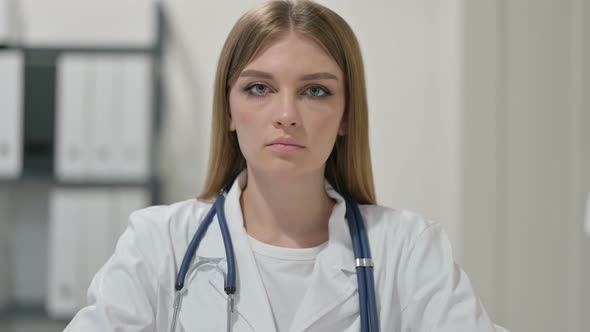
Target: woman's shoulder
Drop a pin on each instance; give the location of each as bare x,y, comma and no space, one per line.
161,232
402,222
399,230
171,215
164,213
168,220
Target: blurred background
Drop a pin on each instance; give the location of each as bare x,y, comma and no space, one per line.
479,119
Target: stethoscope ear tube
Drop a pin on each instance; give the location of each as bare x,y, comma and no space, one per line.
368,270
192,247
230,283
360,275
365,278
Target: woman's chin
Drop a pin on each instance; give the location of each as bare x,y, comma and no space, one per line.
282,169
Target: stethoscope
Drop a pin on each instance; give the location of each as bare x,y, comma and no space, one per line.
360,244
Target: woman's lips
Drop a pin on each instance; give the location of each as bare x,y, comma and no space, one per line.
279,147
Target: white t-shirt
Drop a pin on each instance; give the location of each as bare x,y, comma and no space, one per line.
285,273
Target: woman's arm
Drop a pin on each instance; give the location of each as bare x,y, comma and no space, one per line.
122,296
441,295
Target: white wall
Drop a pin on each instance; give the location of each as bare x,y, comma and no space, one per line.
480,148
526,158
584,116
412,53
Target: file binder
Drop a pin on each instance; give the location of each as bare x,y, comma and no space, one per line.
96,227
84,227
135,118
11,113
104,119
65,287
4,22
74,103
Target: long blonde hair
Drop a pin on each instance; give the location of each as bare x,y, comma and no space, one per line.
348,167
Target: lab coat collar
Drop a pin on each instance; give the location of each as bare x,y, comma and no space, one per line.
333,280
338,253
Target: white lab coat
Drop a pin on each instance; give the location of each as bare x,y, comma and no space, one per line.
418,285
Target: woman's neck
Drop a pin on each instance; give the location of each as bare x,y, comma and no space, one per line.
287,212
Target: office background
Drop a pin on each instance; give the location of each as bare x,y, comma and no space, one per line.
479,118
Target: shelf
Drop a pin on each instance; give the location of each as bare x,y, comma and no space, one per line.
16,315
32,326
91,49
38,175
31,176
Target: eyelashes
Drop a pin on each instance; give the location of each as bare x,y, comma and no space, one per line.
260,90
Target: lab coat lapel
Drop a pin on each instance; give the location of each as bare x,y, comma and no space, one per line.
251,300
203,272
333,281
334,277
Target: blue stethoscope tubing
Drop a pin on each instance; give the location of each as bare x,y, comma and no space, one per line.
365,278
360,245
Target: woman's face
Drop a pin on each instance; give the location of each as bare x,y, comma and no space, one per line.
291,90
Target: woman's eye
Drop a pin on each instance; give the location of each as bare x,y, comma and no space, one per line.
317,92
257,89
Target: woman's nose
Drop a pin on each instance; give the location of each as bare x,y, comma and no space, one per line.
286,113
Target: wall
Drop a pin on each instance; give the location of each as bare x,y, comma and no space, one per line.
525,161
583,112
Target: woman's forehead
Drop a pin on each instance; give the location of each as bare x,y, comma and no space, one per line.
294,53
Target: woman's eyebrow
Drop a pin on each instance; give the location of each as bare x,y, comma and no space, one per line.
308,77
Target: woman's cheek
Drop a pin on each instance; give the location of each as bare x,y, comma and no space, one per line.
247,132
245,123
245,118
328,127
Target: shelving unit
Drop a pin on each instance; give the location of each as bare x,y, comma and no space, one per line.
38,158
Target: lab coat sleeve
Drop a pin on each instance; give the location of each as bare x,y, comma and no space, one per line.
440,295
121,295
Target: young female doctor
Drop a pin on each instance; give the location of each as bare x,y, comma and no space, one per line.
275,241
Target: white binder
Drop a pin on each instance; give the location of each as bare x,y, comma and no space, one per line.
67,238
11,110
104,119
74,111
4,22
98,244
134,109
84,227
